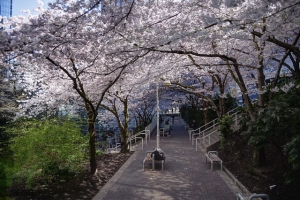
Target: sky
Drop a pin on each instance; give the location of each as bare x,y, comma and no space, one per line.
19,5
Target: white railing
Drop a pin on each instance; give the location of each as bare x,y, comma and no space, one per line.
215,122
115,148
151,126
232,113
240,197
138,135
204,137
202,132
134,138
198,132
146,133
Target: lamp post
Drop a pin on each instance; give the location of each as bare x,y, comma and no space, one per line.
166,83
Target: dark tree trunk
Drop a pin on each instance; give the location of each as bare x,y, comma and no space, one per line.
92,145
240,81
124,143
93,163
205,113
259,157
124,132
222,106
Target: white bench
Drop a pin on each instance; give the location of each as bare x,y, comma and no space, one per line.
149,158
212,156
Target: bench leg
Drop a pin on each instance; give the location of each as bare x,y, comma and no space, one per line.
153,165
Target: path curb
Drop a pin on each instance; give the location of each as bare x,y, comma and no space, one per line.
101,194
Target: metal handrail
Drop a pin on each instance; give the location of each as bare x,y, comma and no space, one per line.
151,126
213,121
118,145
131,138
239,197
213,126
134,137
203,137
198,138
199,129
145,132
265,196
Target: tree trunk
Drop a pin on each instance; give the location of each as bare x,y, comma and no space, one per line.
206,117
205,113
259,157
124,143
240,81
222,106
261,83
124,132
221,86
91,129
92,145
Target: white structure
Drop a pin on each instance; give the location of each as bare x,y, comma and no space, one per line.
166,83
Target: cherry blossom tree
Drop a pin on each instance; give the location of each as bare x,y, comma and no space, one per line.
80,50
70,52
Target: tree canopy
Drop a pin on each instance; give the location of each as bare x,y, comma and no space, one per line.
87,52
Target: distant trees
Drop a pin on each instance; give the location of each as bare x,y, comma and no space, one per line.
10,92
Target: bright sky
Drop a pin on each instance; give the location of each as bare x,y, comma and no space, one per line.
19,5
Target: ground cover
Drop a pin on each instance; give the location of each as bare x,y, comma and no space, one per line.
269,179
84,186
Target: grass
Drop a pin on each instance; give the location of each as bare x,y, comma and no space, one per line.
6,172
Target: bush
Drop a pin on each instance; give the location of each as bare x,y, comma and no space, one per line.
226,131
49,149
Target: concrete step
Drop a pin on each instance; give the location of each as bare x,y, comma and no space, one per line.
201,147
213,138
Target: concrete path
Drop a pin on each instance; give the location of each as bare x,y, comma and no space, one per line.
186,175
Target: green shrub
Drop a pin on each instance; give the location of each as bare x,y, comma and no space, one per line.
99,152
49,149
226,131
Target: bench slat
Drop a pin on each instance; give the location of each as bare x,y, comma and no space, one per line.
212,156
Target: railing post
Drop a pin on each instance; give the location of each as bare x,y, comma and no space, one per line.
130,143
236,122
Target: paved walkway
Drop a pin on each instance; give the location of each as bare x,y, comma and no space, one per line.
186,175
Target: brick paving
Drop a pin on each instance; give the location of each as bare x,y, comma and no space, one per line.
186,175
